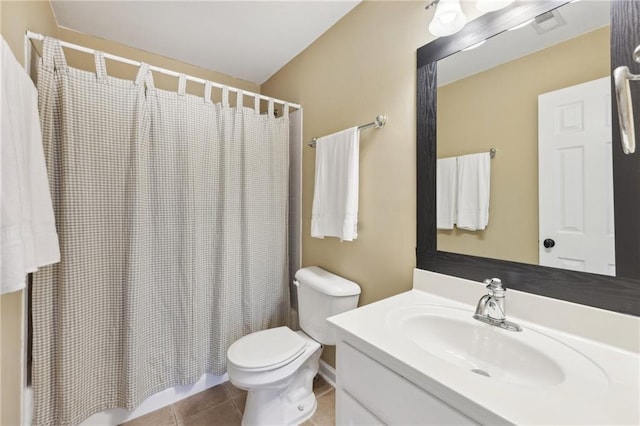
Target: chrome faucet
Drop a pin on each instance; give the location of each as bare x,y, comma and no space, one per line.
490,307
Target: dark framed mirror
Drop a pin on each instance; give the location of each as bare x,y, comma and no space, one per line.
619,292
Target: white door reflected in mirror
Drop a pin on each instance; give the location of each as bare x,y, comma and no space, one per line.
576,178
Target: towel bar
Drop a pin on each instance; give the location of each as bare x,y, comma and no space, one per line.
379,122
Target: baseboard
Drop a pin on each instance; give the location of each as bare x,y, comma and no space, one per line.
327,372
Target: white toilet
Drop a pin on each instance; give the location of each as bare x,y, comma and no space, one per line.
277,366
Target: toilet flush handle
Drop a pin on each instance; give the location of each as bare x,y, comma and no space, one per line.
296,283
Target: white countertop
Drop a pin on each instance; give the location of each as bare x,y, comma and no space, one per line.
491,401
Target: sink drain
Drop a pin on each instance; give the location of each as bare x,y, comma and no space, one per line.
480,372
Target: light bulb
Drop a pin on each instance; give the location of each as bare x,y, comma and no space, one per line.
448,18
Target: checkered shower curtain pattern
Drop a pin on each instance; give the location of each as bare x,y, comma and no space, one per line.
172,216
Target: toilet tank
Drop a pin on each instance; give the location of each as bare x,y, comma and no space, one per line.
322,294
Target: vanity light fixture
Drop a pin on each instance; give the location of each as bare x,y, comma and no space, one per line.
449,18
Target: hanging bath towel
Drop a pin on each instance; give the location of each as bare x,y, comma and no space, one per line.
28,238
474,172
446,192
335,196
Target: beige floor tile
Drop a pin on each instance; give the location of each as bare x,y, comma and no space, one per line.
195,404
325,414
222,415
161,417
320,386
233,391
240,402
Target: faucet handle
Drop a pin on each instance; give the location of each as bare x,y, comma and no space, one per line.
494,285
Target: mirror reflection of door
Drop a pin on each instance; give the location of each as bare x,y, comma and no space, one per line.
575,177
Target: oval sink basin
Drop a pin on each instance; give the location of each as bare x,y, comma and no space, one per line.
526,358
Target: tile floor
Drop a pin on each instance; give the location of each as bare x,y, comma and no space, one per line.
223,405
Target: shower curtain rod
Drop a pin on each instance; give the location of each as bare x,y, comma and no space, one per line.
35,36
379,122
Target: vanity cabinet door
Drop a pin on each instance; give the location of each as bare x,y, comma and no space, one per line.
350,412
388,396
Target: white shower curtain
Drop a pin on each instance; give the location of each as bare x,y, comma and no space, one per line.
172,215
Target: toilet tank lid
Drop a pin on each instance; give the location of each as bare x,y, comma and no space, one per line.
326,282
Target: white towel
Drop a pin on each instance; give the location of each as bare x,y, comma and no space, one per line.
446,192
335,195
28,236
474,172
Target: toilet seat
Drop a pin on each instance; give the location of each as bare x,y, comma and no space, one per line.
266,350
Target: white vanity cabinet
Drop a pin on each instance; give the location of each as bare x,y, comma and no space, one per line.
368,393
418,358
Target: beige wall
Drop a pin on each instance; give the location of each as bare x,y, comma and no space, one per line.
20,16
16,18
499,108
363,66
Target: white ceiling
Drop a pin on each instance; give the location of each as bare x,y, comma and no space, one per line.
250,40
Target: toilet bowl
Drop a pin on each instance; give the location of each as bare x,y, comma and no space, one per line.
277,366
280,390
